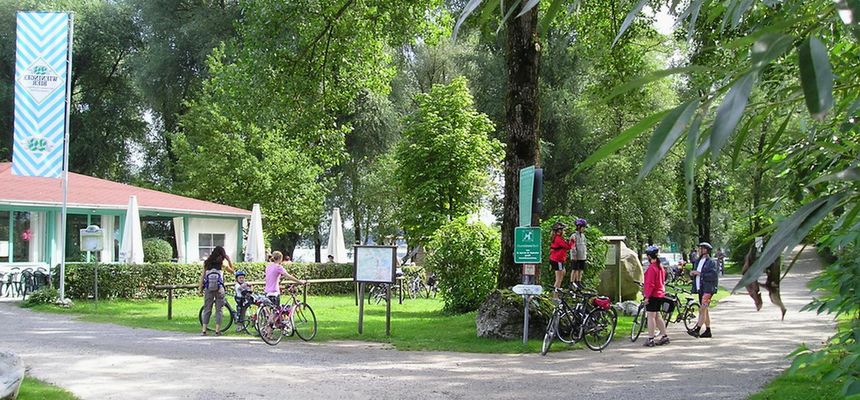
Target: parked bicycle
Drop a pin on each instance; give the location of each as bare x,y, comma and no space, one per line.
581,315
293,317
226,320
377,292
686,311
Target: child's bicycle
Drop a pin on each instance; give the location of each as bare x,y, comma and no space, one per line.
294,317
249,323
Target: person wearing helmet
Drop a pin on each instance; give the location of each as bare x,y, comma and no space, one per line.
705,281
655,296
242,297
558,249
578,253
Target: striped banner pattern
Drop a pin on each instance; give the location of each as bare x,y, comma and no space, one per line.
40,93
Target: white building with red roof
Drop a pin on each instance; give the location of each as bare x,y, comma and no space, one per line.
30,218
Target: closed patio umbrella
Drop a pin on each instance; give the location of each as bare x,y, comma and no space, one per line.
255,250
336,246
131,249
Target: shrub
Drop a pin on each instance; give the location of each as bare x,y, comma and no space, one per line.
42,296
136,281
596,258
157,250
465,258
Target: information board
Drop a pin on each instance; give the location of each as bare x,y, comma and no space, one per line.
375,264
527,243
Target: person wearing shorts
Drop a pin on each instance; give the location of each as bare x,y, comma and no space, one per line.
274,272
558,249
578,253
705,281
655,296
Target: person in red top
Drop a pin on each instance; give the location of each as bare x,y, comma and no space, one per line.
655,296
558,249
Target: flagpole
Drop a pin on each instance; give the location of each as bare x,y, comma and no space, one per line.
66,156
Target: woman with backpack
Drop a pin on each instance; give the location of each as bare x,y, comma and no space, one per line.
212,287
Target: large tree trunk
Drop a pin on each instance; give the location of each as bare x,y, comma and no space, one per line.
522,122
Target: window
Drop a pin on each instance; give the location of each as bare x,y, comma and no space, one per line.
74,224
21,237
4,236
206,242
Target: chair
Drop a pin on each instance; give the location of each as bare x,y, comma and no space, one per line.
40,279
14,282
2,282
27,283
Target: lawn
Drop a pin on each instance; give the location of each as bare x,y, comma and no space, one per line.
417,324
34,389
796,387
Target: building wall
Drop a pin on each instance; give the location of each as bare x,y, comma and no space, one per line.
227,227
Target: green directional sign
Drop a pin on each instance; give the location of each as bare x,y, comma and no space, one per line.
527,245
527,184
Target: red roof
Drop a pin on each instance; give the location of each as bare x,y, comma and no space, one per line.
88,192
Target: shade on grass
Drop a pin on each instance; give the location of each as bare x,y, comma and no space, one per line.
417,324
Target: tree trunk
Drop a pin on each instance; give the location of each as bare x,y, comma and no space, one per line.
286,243
522,122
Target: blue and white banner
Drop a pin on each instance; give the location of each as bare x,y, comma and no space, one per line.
40,93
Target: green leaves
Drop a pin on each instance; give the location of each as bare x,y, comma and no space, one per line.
690,162
730,112
790,232
666,134
629,20
467,10
651,77
768,47
621,140
848,174
528,7
816,77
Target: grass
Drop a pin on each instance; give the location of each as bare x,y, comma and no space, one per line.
733,268
797,387
417,324
34,389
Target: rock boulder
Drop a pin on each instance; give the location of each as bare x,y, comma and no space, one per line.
631,272
501,316
11,375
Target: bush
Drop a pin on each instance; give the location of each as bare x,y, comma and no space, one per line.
157,250
136,281
596,258
42,296
465,258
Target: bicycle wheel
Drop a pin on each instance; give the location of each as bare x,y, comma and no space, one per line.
639,322
549,335
691,316
270,330
226,318
599,328
567,328
248,323
304,322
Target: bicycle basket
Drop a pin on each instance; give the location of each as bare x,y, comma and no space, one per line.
602,302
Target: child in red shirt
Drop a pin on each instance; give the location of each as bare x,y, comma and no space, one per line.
558,249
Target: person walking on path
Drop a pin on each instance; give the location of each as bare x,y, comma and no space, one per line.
558,249
212,287
578,253
655,296
705,281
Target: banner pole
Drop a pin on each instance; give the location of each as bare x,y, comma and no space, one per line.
66,156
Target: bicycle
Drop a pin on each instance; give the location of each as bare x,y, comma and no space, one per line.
591,319
294,317
250,320
688,312
416,286
226,322
378,291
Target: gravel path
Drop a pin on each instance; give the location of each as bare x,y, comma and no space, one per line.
103,361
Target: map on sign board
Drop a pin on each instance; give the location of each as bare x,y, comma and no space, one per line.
375,263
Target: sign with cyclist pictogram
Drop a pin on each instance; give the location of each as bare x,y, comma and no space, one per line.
527,245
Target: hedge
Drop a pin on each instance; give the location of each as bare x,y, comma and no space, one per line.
135,281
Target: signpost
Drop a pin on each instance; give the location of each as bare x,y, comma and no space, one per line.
374,264
527,245
527,291
92,240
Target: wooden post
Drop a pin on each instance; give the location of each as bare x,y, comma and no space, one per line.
361,308
401,289
170,303
305,293
388,308
356,294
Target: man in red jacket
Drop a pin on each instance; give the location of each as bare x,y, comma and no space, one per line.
558,249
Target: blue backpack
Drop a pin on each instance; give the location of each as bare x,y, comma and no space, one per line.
213,281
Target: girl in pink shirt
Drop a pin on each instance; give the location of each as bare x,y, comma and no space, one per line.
274,272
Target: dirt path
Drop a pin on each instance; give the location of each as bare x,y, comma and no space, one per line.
102,361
